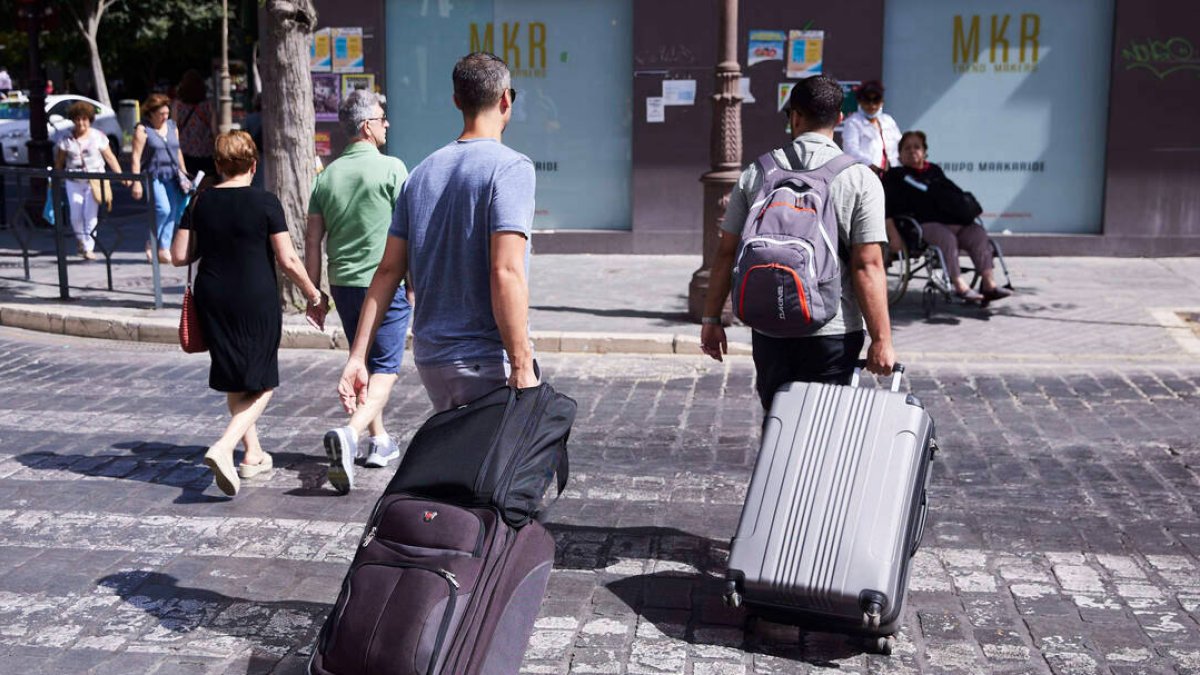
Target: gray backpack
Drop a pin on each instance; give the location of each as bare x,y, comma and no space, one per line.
787,279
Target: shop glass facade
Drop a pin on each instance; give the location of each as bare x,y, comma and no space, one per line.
572,65
1014,99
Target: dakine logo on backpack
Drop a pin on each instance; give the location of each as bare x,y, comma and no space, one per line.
787,277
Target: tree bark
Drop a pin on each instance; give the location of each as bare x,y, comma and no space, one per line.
289,119
89,26
97,67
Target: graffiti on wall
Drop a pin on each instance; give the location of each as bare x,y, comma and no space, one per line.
1162,58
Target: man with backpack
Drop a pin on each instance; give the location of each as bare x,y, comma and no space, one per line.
806,285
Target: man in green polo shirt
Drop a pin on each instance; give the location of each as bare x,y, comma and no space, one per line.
350,210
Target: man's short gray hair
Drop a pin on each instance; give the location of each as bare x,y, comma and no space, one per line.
358,107
480,79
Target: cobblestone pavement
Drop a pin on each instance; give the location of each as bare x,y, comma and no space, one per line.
1063,535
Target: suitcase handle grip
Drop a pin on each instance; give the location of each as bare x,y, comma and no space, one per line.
897,371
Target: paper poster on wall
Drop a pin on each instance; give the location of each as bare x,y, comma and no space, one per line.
654,110
805,52
324,143
326,96
744,90
782,94
350,82
679,92
765,45
849,100
320,57
347,50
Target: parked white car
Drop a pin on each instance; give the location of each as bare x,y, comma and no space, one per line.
14,124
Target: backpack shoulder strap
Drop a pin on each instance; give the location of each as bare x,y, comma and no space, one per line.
830,170
793,157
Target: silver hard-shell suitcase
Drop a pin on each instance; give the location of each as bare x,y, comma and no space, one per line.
835,509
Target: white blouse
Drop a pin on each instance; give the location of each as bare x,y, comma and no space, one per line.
866,142
84,154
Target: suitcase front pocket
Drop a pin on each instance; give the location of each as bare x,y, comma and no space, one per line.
420,528
392,619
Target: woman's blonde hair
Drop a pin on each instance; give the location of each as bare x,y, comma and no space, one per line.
235,153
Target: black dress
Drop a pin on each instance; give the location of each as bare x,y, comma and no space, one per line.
236,294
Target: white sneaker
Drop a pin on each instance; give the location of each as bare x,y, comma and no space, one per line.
382,453
341,445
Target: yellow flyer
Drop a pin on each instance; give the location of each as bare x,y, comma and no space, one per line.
805,52
347,50
319,56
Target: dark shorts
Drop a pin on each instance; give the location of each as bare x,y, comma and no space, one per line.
388,349
777,361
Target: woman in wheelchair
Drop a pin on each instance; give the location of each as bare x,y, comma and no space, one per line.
920,190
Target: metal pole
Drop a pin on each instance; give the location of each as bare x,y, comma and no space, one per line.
154,246
726,153
61,217
225,118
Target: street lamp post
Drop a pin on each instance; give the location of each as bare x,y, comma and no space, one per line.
726,153
224,99
39,143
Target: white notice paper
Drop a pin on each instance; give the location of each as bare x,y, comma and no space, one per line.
679,92
744,90
654,109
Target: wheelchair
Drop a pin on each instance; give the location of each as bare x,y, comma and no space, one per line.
919,259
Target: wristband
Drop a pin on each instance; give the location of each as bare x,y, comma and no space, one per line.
710,320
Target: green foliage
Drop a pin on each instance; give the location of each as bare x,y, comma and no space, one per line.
146,44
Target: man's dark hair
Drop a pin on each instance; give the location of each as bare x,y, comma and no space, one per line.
480,79
818,99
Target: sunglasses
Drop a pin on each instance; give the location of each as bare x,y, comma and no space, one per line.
871,100
512,95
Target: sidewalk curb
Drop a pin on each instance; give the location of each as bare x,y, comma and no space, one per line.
92,324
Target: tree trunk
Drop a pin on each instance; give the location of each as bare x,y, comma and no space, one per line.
97,65
289,119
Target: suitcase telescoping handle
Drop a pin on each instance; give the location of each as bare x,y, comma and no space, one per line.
897,370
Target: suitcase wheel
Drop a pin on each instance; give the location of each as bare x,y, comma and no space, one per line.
884,645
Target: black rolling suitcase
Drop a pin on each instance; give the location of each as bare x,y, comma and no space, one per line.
450,572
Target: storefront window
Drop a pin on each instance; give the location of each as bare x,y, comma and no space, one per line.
1014,98
572,69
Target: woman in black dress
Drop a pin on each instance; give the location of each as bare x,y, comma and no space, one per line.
238,233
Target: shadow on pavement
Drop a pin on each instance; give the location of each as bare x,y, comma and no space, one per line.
663,318
180,610
178,466
689,607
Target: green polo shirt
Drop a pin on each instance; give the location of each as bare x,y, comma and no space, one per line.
355,196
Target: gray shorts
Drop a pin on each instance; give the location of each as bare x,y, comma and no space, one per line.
450,385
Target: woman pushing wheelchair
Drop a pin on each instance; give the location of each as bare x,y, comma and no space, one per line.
918,189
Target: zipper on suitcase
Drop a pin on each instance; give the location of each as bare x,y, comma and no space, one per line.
481,603
539,409
490,455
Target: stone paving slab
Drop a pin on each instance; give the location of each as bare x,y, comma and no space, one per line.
1063,533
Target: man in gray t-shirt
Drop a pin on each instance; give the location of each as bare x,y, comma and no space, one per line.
829,355
461,228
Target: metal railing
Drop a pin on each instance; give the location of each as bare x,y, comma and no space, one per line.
21,216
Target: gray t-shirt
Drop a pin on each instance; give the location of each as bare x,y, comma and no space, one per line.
857,196
449,208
